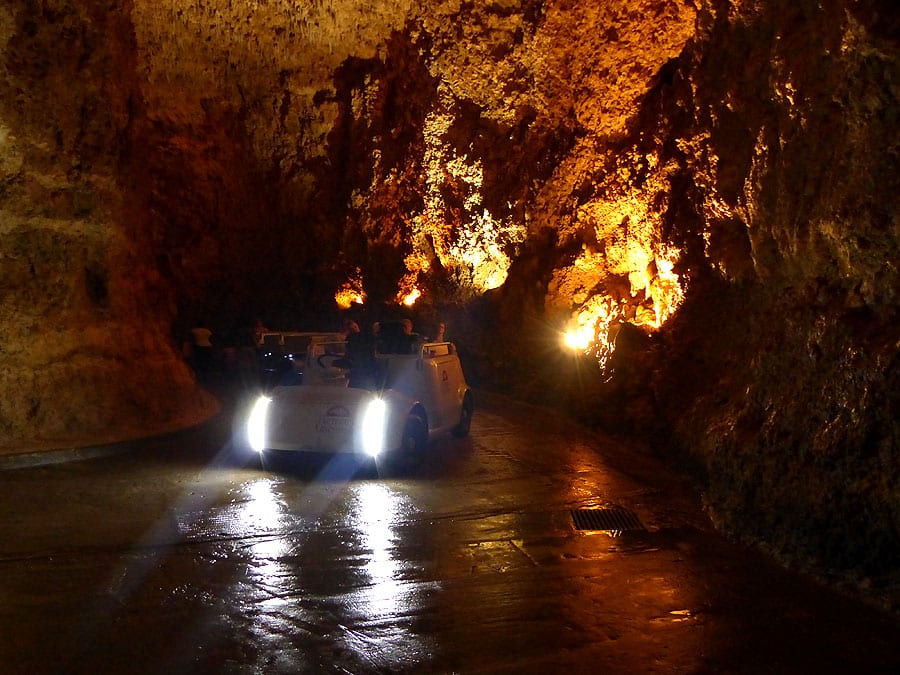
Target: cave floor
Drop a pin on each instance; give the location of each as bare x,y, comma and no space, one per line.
184,556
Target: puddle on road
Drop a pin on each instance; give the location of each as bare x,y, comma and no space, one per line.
355,528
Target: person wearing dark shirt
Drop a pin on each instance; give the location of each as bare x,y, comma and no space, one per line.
360,352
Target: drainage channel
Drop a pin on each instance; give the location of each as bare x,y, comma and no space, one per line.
613,520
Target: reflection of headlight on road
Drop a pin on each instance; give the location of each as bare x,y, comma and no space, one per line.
373,427
256,424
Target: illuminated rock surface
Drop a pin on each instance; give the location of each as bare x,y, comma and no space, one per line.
708,191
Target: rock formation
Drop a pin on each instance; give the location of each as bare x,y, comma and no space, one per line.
705,193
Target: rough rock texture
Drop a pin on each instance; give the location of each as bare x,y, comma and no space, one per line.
85,350
705,191
782,377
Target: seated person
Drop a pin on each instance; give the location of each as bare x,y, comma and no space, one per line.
360,357
397,337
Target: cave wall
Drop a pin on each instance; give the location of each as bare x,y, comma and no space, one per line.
782,371
707,191
85,349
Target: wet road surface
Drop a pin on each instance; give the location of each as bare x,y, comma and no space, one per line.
180,557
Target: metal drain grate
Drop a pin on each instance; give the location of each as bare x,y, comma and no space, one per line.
613,519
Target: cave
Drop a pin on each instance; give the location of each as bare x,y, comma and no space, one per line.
702,195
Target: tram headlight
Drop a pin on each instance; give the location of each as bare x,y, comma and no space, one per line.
256,423
373,424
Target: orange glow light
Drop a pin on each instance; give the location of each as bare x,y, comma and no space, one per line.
410,298
578,339
351,292
407,289
589,329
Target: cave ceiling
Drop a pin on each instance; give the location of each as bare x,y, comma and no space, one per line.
398,149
